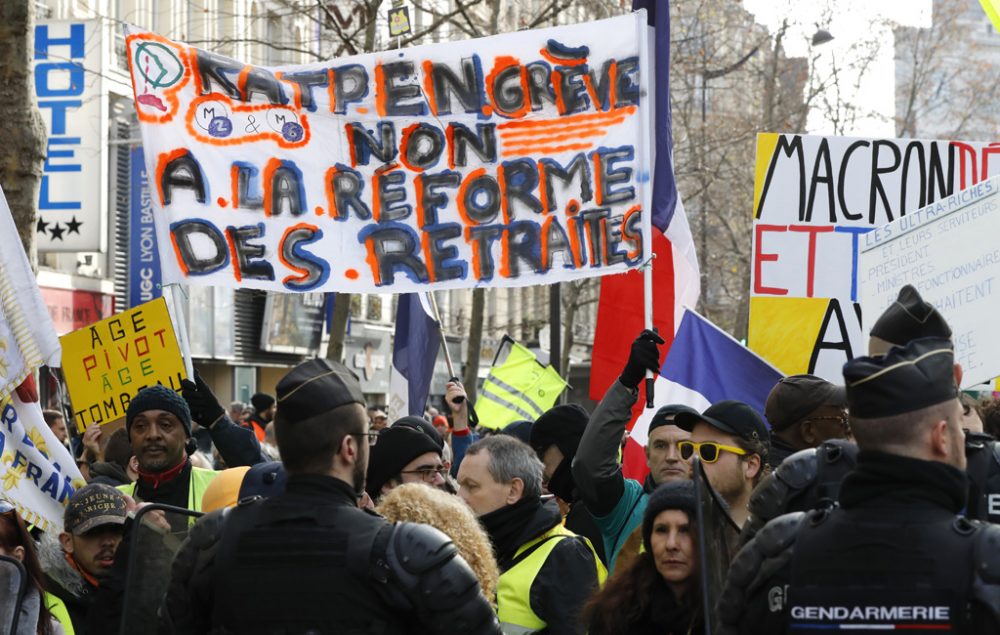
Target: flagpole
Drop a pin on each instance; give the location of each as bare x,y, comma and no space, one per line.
182,334
647,212
444,343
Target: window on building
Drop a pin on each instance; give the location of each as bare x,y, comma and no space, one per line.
374,308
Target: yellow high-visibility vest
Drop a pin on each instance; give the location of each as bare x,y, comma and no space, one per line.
514,588
200,478
519,389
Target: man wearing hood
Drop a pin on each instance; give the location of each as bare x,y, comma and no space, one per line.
546,571
555,436
77,560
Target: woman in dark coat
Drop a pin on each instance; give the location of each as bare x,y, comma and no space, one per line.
657,594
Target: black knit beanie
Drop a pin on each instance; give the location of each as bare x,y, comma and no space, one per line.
159,397
561,426
397,445
672,495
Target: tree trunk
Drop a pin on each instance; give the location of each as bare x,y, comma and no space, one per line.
338,327
371,23
23,149
571,302
471,378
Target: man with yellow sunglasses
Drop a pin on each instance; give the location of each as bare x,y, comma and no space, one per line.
733,442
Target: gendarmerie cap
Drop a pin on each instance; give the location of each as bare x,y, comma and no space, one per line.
907,378
910,318
793,398
316,387
734,417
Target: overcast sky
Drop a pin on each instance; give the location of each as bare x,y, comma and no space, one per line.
852,21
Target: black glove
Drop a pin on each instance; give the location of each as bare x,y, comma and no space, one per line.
644,356
205,408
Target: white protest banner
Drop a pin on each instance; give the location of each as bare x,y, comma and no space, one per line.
504,161
27,337
949,252
814,200
37,472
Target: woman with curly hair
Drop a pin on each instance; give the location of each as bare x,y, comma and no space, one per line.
16,543
418,503
657,593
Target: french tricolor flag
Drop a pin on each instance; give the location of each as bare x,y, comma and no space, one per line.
676,282
706,365
414,351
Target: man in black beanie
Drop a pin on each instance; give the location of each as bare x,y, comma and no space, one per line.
330,566
555,437
158,423
921,566
263,414
406,452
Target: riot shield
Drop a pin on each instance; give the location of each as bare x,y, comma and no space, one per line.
718,536
13,583
156,537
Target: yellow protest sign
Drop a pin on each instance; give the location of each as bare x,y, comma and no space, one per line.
992,9
107,363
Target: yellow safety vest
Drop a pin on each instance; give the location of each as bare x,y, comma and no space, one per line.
519,389
514,588
58,610
200,478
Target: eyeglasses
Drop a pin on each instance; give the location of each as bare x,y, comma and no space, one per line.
372,437
842,419
708,450
428,473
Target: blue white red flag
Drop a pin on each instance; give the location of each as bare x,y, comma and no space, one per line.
706,365
676,280
414,350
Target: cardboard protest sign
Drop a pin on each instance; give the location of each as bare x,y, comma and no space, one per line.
511,160
107,363
37,473
949,252
815,199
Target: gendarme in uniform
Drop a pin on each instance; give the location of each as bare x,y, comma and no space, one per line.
895,554
308,560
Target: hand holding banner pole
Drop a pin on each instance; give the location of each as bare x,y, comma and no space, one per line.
432,300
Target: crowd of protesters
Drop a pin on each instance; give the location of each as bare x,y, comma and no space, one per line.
862,506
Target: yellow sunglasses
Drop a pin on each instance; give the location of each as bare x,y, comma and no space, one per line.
708,450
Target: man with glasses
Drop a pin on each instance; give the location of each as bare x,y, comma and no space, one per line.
733,442
329,567
804,411
405,453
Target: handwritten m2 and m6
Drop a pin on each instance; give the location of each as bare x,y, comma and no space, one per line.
443,166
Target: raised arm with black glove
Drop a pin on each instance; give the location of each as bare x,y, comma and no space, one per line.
596,470
644,356
237,445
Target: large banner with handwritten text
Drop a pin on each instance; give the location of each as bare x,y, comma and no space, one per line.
505,161
815,198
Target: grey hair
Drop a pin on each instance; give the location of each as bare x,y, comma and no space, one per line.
237,405
511,458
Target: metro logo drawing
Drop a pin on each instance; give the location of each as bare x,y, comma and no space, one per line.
512,160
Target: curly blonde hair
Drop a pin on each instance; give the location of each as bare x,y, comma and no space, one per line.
417,503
